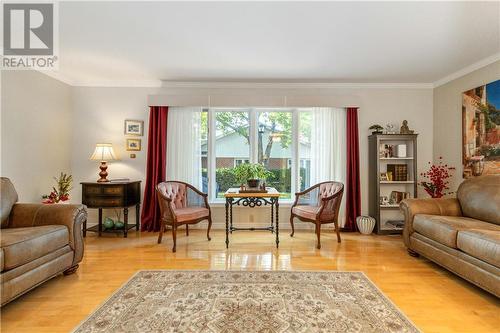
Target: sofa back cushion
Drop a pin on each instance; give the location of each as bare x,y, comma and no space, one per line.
480,198
8,197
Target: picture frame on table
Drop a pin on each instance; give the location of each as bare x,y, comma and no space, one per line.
133,144
134,127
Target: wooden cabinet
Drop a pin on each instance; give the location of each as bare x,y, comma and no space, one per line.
387,213
120,195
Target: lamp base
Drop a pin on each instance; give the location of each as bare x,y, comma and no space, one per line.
103,174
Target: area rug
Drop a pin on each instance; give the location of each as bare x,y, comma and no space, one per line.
239,301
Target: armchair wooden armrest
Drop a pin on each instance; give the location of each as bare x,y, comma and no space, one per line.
299,194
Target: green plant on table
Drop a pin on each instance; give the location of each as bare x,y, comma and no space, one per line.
246,171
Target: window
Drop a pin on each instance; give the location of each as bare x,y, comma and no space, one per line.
275,148
300,147
231,146
251,135
239,161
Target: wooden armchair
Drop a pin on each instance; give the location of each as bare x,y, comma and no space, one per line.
319,204
181,203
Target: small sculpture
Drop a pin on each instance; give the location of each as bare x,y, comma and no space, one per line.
405,129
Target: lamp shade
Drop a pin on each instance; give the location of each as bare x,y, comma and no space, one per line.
103,152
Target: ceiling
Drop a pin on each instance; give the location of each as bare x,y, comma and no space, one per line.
141,43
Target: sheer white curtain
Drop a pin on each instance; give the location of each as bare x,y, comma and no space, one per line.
184,145
328,148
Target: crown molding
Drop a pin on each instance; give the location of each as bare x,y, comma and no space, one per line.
469,69
121,84
290,85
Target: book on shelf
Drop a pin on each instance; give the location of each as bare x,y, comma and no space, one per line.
399,172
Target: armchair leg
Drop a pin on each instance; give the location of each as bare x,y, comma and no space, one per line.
318,234
71,270
187,229
174,236
162,230
209,227
337,230
293,227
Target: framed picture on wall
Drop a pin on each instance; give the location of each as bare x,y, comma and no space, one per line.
134,127
133,144
481,130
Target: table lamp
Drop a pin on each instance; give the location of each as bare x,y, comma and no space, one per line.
103,152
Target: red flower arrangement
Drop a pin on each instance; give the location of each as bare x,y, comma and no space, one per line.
437,179
61,193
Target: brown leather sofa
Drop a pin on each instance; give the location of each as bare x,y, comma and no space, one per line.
37,242
461,234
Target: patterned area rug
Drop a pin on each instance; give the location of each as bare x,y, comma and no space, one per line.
238,301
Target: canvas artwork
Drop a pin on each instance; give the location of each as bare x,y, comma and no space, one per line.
481,130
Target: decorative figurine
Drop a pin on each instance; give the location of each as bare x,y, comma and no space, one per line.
405,129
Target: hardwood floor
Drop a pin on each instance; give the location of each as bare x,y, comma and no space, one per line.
434,299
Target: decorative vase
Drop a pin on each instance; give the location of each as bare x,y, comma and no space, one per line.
253,183
119,224
365,224
108,223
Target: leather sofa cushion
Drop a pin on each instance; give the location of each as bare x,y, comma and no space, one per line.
444,229
22,245
481,244
191,213
480,198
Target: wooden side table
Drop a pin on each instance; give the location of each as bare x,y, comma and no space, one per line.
112,195
252,199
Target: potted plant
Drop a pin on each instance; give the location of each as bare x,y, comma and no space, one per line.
377,129
61,193
251,173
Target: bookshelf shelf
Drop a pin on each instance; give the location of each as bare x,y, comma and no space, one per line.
381,159
395,158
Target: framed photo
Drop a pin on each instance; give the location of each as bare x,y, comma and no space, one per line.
134,127
383,176
133,144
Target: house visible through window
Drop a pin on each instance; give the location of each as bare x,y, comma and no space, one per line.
239,161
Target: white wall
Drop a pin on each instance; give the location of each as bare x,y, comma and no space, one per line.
35,132
103,110
98,117
448,116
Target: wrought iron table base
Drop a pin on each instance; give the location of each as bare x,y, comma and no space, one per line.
252,202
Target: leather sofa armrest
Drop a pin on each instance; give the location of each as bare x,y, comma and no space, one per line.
71,216
412,207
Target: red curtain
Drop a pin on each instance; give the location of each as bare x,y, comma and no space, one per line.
353,193
156,167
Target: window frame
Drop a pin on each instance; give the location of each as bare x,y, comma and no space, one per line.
254,113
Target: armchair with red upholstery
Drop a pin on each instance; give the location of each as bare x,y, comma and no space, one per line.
319,204
181,203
